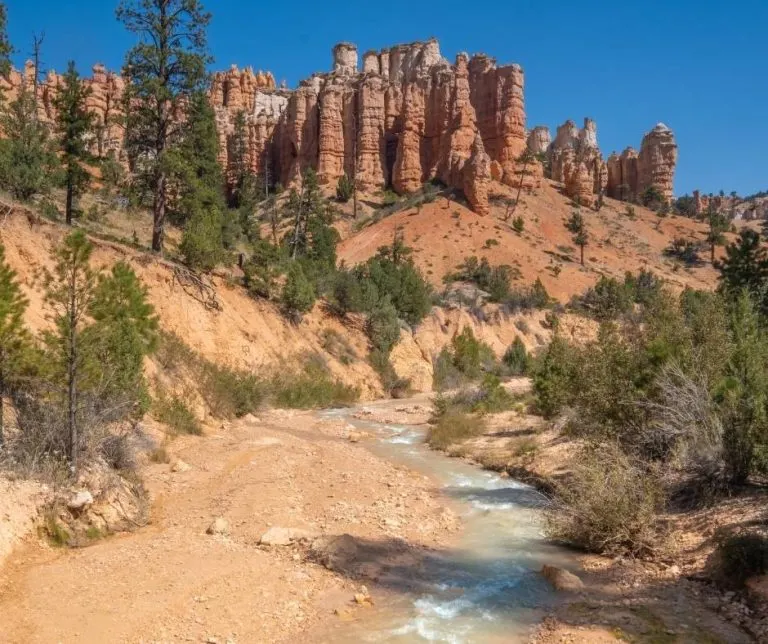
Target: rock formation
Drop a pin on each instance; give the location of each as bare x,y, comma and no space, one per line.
575,160
539,139
104,101
657,160
630,174
408,117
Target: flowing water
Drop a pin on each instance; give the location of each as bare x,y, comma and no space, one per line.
485,588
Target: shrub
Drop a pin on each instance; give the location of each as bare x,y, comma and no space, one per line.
492,397
312,387
553,376
298,295
445,374
606,300
516,359
739,557
518,224
382,326
345,188
337,345
174,412
470,355
230,392
520,300
454,427
607,506
684,250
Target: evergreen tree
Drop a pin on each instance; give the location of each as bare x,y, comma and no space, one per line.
745,267
14,338
743,398
165,68
576,225
28,162
382,326
718,224
125,331
70,293
74,124
196,171
5,45
298,296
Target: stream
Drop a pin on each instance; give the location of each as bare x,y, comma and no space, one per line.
486,587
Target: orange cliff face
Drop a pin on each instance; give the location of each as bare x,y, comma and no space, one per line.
407,117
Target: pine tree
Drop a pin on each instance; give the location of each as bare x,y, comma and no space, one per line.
718,224
74,125
70,292
28,162
746,267
165,68
298,296
6,49
196,171
14,338
125,331
577,226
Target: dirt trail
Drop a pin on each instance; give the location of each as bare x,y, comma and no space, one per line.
170,581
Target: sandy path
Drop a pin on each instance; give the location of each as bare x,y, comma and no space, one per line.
170,581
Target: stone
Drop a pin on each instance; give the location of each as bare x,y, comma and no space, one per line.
219,527
277,536
561,580
477,178
180,466
80,500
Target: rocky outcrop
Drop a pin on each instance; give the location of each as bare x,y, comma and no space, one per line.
539,139
657,160
477,177
407,117
104,102
631,174
575,161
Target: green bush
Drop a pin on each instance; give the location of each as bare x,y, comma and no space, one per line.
516,359
298,294
520,300
311,388
518,224
608,505
345,188
553,377
454,427
230,393
174,412
739,557
382,326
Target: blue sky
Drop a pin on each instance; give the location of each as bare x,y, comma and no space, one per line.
700,66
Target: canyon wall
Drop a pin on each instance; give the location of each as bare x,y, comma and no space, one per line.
408,116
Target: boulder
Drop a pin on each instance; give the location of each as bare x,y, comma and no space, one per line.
80,500
219,527
561,579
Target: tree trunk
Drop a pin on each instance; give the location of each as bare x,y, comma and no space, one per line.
519,190
2,397
70,191
158,211
71,379
713,252
582,255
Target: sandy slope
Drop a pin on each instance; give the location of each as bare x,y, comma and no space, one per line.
444,233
